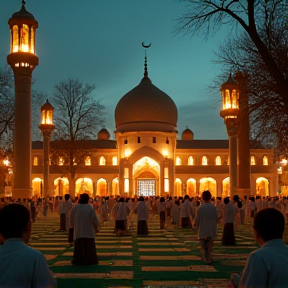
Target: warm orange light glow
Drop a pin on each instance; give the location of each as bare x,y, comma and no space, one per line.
165,153
218,161
114,160
6,162
178,161
252,161
87,161
204,160
47,117
126,185
102,161
230,101
166,185
26,41
127,153
265,160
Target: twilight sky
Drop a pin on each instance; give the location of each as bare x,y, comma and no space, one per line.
100,42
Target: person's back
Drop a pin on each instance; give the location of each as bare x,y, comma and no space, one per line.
20,265
206,221
268,265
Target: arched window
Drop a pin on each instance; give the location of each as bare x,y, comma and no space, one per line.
102,161
204,160
61,161
253,160
114,160
178,161
265,160
190,160
35,161
87,161
218,160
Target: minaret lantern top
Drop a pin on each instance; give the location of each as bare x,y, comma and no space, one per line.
23,30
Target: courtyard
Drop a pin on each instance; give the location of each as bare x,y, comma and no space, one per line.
165,258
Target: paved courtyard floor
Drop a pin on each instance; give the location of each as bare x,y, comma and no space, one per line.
165,258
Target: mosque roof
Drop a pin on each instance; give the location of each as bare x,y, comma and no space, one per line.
83,144
146,107
211,144
103,134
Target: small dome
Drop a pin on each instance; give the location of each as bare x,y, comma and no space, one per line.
47,106
230,84
103,134
187,134
23,13
146,108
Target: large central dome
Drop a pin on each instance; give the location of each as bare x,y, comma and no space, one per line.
146,108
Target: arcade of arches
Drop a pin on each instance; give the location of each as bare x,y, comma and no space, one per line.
146,182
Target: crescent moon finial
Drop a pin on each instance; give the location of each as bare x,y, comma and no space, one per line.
146,46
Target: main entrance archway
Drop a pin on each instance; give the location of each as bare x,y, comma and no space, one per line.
146,177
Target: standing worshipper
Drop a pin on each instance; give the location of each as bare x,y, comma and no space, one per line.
65,207
85,222
119,213
268,265
206,224
230,211
142,212
186,213
33,205
161,210
21,265
175,212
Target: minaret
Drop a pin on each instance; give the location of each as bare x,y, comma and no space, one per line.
22,60
230,111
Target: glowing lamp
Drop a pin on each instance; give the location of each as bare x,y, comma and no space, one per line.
23,38
6,162
165,153
230,98
127,153
47,114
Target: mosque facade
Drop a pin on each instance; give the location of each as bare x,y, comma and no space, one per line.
149,158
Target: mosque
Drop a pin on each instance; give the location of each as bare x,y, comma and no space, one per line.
148,158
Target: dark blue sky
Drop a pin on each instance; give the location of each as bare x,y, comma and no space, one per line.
99,41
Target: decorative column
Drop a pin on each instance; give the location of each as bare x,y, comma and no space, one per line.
46,128
244,169
230,97
22,60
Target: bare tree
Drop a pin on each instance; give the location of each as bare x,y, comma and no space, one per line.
261,50
77,117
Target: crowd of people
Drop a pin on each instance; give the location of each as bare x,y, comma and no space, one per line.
82,217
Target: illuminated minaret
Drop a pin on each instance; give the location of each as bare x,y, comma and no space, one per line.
230,111
22,60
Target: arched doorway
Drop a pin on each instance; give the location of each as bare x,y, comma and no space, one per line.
115,186
208,184
37,186
191,187
146,177
178,187
226,187
61,186
101,187
84,185
262,187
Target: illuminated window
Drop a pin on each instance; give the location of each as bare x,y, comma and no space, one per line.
35,161
15,45
102,161
190,160
265,160
24,38
204,160
114,160
60,161
253,160
87,161
178,161
126,180
218,160
166,180
32,50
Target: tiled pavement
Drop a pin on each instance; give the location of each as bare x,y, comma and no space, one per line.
165,258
